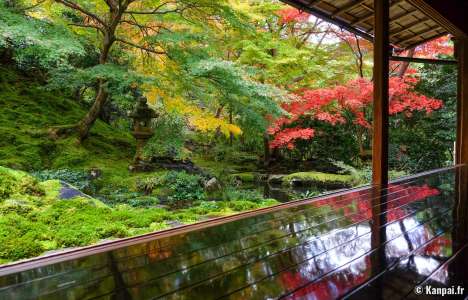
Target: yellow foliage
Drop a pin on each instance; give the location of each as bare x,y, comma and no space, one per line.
200,119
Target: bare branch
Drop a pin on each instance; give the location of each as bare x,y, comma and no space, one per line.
150,50
155,10
87,26
34,6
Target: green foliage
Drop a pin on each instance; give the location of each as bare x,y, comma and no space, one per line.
245,177
37,43
79,179
250,100
181,189
426,142
237,194
27,112
17,182
119,81
169,137
334,142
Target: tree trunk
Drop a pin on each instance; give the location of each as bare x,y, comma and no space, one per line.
266,145
84,126
231,136
405,65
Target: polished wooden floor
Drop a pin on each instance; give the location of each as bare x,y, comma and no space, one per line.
368,243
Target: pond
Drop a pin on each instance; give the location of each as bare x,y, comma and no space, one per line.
285,193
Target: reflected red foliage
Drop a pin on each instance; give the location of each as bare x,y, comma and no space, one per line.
341,282
332,287
436,248
357,209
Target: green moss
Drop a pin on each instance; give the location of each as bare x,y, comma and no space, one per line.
28,111
246,177
319,178
16,182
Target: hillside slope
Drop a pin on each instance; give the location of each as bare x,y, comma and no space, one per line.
28,110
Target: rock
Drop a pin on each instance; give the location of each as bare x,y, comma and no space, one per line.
95,173
68,191
276,179
174,224
212,185
319,180
247,177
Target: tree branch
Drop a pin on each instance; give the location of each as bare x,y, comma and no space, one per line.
155,10
77,7
150,50
87,26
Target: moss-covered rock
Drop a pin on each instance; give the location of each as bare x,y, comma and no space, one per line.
320,180
16,183
246,177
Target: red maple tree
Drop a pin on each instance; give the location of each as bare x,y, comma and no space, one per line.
330,105
292,15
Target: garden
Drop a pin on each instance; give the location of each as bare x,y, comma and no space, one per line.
120,122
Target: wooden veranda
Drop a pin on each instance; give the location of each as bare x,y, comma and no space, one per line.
376,242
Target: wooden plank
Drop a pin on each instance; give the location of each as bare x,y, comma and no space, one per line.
325,16
420,35
408,27
381,73
347,7
424,60
429,11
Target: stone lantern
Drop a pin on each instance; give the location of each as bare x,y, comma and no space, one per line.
142,115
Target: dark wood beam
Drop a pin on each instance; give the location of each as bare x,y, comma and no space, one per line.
320,14
462,118
407,27
424,60
347,7
420,35
371,15
381,97
461,151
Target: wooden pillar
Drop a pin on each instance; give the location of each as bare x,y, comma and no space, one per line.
461,151
380,139
381,73
461,52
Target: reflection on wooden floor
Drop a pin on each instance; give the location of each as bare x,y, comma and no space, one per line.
371,243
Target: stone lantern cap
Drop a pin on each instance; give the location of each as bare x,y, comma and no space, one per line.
142,111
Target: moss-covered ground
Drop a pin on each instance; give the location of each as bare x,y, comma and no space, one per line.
34,220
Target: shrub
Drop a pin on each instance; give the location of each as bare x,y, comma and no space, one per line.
183,188
148,184
79,179
234,194
171,129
